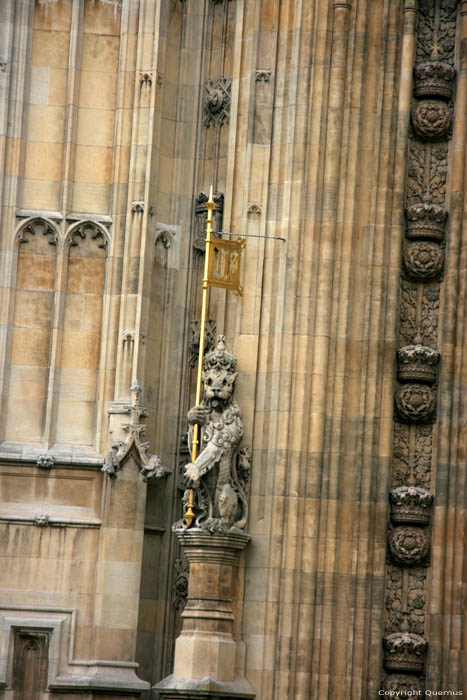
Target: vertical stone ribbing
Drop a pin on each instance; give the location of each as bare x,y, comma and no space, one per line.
448,631
312,349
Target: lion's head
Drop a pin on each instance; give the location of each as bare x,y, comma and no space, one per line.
218,386
219,375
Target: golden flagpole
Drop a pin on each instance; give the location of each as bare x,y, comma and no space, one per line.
190,514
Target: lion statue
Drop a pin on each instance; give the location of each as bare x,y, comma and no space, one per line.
220,473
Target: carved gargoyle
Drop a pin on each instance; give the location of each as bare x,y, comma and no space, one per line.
220,474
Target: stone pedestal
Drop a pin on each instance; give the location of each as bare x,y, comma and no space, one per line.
204,663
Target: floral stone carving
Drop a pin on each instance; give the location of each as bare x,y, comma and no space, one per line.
409,546
431,119
434,79
423,259
416,403
417,363
405,684
404,651
426,220
220,473
410,504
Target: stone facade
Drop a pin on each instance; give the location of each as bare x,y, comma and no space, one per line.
340,127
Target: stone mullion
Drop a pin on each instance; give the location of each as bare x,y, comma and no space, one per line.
72,103
419,311
66,194
48,437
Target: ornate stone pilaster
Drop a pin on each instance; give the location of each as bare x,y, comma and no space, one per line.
205,650
409,537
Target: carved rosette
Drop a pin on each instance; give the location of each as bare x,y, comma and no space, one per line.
423,260
416,403
404,651
405,684
417,363
434,79
426,220
410,504
409,546
431,119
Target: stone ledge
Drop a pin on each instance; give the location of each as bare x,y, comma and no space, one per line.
172,688
108,677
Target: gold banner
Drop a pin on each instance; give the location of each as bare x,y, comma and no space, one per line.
224,264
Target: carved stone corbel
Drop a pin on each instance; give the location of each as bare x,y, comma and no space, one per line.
145,78
263,75
137,207
150,464
45,461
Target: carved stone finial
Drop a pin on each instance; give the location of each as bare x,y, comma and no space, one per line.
404,651
426,221
417,363
434,79
410,504
150,465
